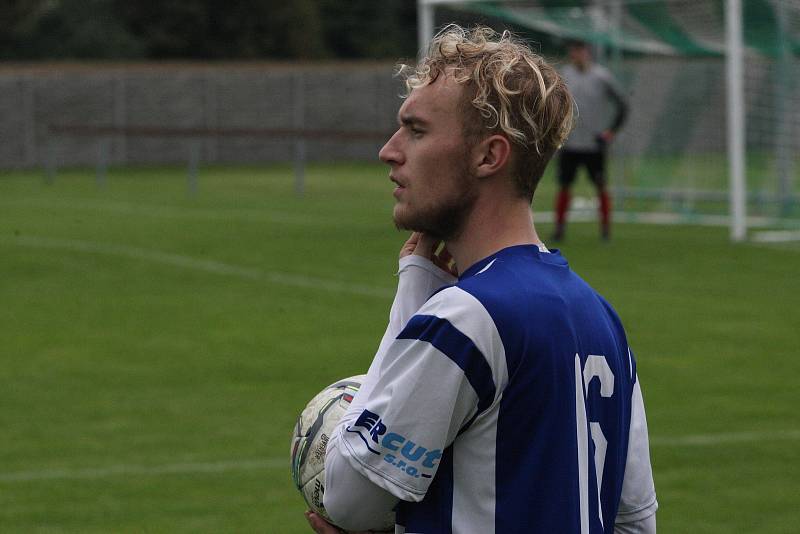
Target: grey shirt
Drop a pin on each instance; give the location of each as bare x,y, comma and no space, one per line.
601,102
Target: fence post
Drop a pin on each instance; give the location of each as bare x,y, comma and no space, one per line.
298,119
211,115
120,116
103,146
194,158
28,89
51,160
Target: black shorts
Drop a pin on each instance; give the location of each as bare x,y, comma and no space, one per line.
569,161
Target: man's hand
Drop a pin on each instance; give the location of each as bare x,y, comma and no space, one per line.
607,136
321,526
431,248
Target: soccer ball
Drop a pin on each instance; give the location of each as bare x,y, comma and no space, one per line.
310,439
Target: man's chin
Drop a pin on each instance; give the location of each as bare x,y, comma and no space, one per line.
412,227
401,220
444,225
404,221
401,225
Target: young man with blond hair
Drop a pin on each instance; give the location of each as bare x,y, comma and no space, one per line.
503,397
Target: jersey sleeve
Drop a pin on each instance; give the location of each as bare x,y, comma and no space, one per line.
418,279
638,498
351,500
616,93
613,87
432,382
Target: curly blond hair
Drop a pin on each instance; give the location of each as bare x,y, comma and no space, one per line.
511,90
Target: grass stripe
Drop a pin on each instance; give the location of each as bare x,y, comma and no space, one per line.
588,213
184,468
190,468
175,212
199,264
724,438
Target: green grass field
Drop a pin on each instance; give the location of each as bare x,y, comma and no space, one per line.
157,347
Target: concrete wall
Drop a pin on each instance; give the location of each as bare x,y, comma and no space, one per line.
347,97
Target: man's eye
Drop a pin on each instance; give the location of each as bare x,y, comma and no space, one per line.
416,132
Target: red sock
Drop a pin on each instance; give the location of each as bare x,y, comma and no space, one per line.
605,211
562,204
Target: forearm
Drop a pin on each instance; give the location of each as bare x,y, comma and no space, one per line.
619,118
621,103
418,279
350,499
645,525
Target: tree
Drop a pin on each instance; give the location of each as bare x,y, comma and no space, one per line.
207,29
64,29
369,29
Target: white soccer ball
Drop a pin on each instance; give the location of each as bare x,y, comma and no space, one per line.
310,439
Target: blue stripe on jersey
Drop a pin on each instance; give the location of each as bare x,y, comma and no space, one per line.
435,512
455,345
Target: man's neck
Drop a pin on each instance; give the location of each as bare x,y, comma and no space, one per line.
493,225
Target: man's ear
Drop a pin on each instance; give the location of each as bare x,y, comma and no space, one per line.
492,155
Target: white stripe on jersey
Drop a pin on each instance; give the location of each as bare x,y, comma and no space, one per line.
638,498
468,315
582,434
488,266
474,456
422,370
474,461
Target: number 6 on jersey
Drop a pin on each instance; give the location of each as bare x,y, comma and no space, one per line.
596,366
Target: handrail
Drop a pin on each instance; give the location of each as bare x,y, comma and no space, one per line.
160,131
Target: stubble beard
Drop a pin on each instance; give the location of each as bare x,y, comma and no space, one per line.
444,221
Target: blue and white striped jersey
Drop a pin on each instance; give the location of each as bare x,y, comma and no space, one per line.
509,403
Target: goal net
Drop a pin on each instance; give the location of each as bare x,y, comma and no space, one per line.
671,161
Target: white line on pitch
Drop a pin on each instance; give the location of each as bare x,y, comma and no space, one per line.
658,218
186,468
177,212
188,262
724,438
776,236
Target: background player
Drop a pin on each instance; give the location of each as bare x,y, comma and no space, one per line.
507,402
595,92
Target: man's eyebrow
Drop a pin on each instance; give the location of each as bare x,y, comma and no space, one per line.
408,120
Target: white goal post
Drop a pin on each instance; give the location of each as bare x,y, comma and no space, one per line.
736,119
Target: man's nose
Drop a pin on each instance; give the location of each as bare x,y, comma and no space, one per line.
390,153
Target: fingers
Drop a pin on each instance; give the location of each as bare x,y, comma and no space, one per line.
319,525
419,244
410,245
431,248
426,246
